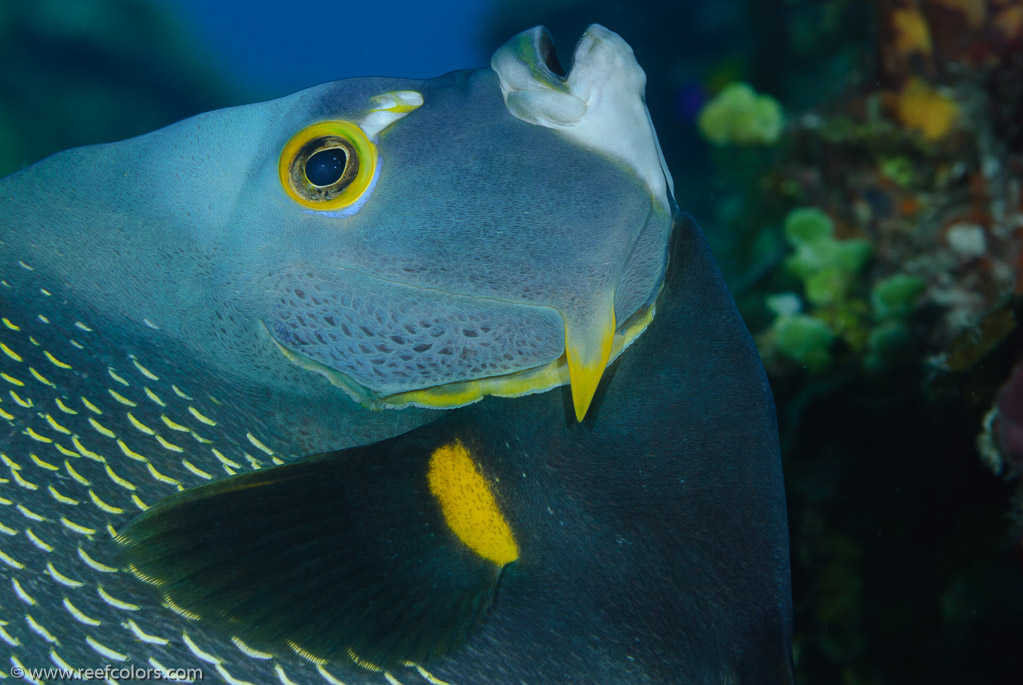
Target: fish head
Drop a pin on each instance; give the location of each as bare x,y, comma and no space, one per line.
499,231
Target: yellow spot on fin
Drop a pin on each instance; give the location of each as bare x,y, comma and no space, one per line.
468,504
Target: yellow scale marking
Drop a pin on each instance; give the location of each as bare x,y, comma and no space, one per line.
61,578
77,614
63,499
9,417
58,662
11,561
27,404
113,374
224,460
144,371
56,426
121,398
312,658
199,438
359,661
35,436
76,527
149,580
28,513
12,380
43,464
259,445
391,679
230,679
108,508
7,531
130,453
105,651
65,451
101,429
28,485
180,393
56,362
468,505
142,635
196,470
285,680
85,452
126,484
40,316
173,425
63,407
139,425
82,326
12,641
114,602
327,675
168,445
194,648
39,630
40,377
93,564
37,542
249,651
154,397
10,353
79,478
138,502
200,416
92,407
10,325
20,592
27,678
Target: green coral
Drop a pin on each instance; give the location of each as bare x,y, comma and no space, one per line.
741,116
896,297
804,339
834,305
826,266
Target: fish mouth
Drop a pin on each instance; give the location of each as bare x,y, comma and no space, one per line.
457,393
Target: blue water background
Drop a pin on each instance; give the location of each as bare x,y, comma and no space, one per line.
275,48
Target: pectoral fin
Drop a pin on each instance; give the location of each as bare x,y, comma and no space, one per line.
380,555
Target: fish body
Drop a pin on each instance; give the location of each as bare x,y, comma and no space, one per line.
186,309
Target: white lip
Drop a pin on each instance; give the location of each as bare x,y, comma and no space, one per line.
599,104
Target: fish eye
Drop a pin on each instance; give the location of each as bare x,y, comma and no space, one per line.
327,166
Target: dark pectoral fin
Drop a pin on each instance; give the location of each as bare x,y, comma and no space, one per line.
381,555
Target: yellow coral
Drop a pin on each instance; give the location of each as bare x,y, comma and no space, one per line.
920,107
912,35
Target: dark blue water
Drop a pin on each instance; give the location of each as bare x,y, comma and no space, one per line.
279,47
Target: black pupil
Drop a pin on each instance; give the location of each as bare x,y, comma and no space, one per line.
326,166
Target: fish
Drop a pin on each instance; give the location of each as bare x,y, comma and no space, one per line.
389,275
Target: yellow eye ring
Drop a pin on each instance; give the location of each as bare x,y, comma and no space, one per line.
339,157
